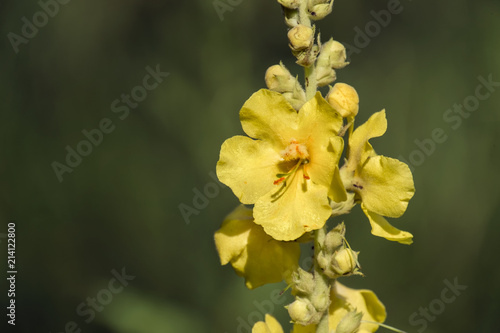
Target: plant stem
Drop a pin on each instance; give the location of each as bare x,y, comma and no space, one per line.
322,287
311,82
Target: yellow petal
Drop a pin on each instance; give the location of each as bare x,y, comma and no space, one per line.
337,191
248,167
385,186
382,228
359,148
318,121
253,254
290,210
324,161
270,326
345,299
267,116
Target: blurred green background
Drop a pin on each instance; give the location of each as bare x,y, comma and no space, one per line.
119,207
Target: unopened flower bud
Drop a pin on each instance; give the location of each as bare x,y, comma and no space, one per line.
333,241
344,99
307,57
332,55
303,282
292,17
301,311
350,322
279,79
292,4
345,261
319,9
300,37
296,97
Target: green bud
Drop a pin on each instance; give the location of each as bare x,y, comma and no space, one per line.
303,282
291,4
333,241
297,97
308,57
350,323
333,55
279,79
292,17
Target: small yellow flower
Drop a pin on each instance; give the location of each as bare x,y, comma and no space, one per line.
253,254
345,300
384,185
270,326
288,167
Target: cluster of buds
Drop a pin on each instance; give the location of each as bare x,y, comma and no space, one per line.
309,305
332,56
335,259
279,79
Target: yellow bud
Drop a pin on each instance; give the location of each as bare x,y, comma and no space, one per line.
345,261
318,9
292,17
291,4
300,37
301,311
344,99
279,79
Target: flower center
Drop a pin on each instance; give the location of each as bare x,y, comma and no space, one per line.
297,153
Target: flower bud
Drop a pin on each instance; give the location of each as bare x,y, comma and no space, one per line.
279,79
345,261
291,4
307,57
300,37
297,97
333,55
333,241
303,282
318,9
344,99
301,311
350,322
292,17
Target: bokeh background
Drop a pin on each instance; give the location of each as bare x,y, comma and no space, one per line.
119,208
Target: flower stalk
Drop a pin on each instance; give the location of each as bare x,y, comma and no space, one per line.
287,174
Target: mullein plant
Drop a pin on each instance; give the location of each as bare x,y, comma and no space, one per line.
287,175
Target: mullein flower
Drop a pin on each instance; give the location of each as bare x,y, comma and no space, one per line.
288,166
254,254
383,185
345,301
271,325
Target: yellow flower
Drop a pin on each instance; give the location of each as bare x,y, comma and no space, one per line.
270,326
253,254
288,166
345,300
384,185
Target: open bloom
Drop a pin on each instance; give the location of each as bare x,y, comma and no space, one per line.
383,185
255,255
271,325
288,166
345,300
